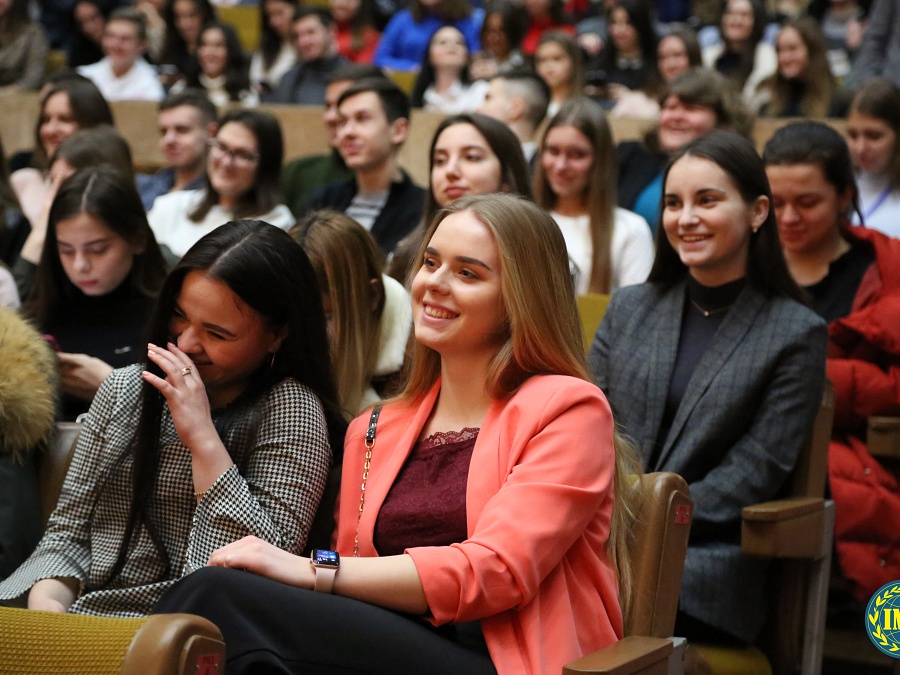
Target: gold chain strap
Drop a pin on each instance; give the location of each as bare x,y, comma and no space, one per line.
370,443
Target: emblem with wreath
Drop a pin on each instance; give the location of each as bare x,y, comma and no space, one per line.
886,599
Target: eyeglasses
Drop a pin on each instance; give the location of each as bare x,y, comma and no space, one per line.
239,157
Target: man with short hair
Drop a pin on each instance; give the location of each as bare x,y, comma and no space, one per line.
187,121
123,74
373,124
519,98
304,175
316,40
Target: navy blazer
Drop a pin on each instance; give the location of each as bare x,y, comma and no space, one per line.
747,410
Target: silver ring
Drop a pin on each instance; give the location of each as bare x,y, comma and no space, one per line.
186,370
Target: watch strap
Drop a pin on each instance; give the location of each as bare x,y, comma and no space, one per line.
325,578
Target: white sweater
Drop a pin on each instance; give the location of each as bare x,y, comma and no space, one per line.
631,254
172,227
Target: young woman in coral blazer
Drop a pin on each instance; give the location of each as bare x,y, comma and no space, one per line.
491,504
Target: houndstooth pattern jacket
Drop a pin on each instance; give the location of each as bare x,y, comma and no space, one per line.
745,414
274,495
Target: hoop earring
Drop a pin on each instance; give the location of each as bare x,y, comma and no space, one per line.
271,360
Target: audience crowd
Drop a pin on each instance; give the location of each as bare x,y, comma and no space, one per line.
216,361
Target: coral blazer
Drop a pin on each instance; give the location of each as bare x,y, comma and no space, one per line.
539,498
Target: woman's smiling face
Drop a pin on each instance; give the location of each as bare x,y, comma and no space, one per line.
224,337
457,299
567,158
707,221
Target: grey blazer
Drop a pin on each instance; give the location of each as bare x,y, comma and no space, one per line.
879,53
745,414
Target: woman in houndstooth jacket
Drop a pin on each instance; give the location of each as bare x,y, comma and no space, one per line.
224,433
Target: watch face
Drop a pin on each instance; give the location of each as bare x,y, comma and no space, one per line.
327,558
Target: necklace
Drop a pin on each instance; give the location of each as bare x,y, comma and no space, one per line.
710,312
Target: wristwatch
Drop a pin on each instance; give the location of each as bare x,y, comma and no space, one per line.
326,564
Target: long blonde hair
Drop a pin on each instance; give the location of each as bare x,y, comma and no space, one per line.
543,334
600,192
348,265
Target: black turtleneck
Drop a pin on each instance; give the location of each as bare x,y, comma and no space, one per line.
109,327
705,308
833,296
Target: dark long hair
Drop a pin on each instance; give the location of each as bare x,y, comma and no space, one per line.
427,74
748,58
265,194
639,17
688,39
759,20
817,81
818,144
363,19
269,41
515,22
95,146
514,175
766,269
237,77
89,109
81,49
111,198
175,49
269,272
514,178
8,197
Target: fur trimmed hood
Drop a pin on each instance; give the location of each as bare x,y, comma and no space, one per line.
28,386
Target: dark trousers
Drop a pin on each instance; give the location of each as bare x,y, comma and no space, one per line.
270,627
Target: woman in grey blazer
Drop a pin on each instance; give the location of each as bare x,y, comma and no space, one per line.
715,368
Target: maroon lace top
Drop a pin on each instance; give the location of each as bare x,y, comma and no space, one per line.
426,505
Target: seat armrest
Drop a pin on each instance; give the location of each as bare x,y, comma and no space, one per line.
782,509
785,528
175,643
162,644
631,655
883,440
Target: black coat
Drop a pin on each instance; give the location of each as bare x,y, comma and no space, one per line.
401,213
638,166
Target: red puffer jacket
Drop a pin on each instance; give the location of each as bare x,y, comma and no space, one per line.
864,364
